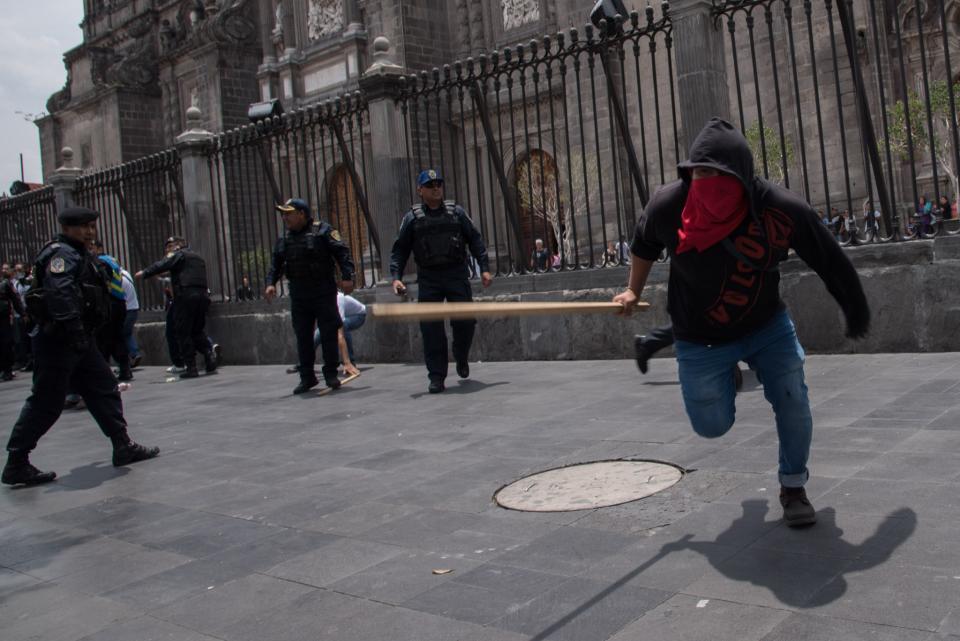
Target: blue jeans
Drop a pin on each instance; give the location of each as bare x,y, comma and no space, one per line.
773,351
350,322
128,322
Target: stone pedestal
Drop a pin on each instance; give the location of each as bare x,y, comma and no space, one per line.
389,191
64,180
701,68
200,215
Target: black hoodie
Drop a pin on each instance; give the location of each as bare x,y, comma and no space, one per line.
727,292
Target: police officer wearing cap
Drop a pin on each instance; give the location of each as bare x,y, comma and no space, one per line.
69,303
188,276
308,255
439,233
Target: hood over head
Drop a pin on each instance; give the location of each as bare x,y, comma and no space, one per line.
721,146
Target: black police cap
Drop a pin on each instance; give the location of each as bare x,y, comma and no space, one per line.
77,216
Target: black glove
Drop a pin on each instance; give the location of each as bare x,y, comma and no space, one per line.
858,320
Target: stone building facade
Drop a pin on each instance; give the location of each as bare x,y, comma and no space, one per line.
143,62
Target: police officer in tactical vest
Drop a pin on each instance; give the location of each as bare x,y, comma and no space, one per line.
69,303
308,255
188,276
439,233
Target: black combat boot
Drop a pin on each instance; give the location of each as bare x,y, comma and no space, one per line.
797,510
642,353
7,376
125,375
332,381
126,451
306,384
191,371
19,471
210,362
436,386
463,368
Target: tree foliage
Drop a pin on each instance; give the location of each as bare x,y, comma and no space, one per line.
914,113
776,154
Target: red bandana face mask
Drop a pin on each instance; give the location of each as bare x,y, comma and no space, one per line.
715,207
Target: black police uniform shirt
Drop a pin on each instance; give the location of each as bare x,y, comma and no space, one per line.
73,289
9,300
309,257
404,245
724,293
187,270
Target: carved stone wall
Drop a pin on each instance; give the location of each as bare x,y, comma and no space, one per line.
324,18
517,13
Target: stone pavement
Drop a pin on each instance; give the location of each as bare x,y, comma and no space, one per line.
271,518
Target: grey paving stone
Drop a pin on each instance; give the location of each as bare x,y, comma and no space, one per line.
582,610
686,618
890,594
99,578
70,619
196,534
146,628
820,628
566,551
401,578
215,610
765,577
333,562
389,466
113,515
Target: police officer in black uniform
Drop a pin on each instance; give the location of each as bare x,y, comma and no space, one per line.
9,302
188,275
68,302
439,233
308,254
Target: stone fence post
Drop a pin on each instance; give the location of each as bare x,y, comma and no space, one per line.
200,223
701,68
390,188
64,180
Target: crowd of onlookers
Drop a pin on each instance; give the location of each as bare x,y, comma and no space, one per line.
920,219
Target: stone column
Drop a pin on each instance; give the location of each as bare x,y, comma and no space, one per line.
389,191
267,19
200,222
701,67
64,180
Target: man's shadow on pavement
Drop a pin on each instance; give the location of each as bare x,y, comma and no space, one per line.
87,477
895,529
463,386
877,549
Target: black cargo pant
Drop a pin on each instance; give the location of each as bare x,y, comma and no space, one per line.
437,290
189,322
110,338
57,366
658,338
6,342
316,311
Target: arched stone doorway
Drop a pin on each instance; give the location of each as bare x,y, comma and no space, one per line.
346,217
535,179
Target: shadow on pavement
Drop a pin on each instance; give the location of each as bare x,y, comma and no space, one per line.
87,477
875,550
466,386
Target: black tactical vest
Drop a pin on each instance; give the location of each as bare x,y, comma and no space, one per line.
90,281
306,257
192,274
438,240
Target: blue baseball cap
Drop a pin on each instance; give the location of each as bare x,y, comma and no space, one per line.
295,204
428,175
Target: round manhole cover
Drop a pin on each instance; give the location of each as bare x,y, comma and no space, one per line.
588,485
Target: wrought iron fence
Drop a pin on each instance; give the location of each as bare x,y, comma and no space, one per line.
318,154
541,141
141,204
854,103
27,222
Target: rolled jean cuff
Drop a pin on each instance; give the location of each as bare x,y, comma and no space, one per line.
794,480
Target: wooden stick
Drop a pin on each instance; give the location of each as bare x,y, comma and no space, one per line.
458,311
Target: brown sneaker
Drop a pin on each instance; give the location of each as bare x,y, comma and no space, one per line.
797,509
